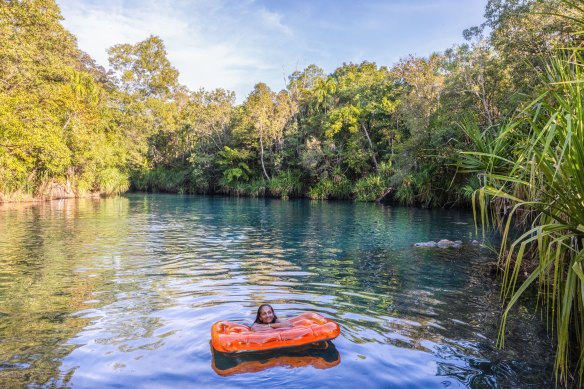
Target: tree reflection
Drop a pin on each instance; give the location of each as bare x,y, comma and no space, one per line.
45,279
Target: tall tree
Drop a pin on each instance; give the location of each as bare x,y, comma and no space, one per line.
478,81
148,96
143,68
266,114
53,110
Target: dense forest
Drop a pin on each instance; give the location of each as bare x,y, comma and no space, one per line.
496,123
361,132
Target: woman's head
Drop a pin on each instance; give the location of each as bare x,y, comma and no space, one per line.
266,314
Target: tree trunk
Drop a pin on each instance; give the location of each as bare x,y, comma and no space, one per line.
370,146
262,154
384,195
484,100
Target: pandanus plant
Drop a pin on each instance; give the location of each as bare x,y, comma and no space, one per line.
533,170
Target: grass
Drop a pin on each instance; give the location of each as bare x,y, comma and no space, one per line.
532,175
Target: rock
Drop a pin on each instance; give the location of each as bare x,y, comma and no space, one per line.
425,244
443,243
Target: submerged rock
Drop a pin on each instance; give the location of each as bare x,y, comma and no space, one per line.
426,244
443,243
449,243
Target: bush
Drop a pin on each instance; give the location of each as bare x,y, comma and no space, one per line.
253,188
321,191
337,187
370,188
161,179
112,181
256,188
286,184
405,192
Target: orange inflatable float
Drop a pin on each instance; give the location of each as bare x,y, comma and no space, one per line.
310,327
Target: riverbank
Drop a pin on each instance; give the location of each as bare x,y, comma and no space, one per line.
48,192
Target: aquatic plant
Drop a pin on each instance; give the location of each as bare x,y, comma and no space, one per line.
540,182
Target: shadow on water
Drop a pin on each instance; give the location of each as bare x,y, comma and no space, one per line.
322,355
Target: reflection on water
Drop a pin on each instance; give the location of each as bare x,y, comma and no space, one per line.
322,355
123,292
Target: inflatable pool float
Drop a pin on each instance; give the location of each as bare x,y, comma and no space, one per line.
310,327
322,355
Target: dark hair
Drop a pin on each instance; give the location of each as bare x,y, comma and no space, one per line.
257,320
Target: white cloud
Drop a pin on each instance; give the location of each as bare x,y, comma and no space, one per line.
274,20
234,44
210,47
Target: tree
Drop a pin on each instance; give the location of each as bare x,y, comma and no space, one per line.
264,116
148,98
525,34
478,81
424,82
54,118
143,68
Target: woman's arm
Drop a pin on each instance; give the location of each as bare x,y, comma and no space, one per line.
267,327
281,324
260,327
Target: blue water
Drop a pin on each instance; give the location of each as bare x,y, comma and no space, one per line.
122,292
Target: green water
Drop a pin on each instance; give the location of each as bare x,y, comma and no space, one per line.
122,292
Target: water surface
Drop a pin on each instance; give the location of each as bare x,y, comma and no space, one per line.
122,293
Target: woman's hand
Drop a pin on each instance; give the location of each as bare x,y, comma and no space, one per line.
282,324
273,326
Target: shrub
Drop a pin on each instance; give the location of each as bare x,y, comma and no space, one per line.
286,184
405,192
112,181
370,188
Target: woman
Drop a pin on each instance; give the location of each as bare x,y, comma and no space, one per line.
266,319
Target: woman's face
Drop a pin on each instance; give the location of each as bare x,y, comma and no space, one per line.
266,315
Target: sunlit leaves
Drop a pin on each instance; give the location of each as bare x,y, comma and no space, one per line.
345,118
143,68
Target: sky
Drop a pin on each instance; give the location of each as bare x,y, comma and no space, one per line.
234,44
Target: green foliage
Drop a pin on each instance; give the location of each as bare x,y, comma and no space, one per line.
55,120
355,133
262,121
161,179
253,188
286,184
370,188
386,169
234,166
543,179
202,173
322,190
333,186
405,194
112,181
143,68
470,187
256,188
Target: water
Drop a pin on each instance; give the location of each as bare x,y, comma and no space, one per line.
122,293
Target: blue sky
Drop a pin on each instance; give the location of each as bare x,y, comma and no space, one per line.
234,44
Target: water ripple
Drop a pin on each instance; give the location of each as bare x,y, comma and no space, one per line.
122,292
